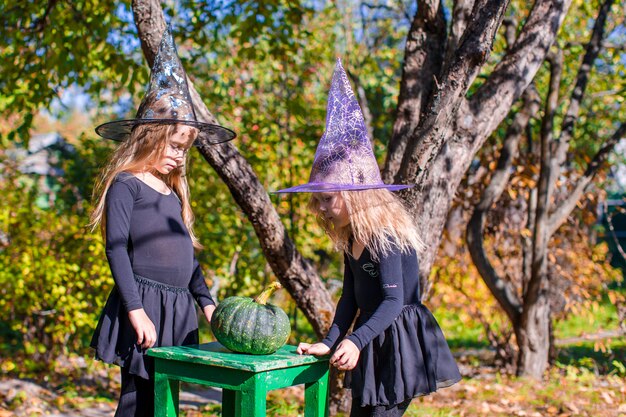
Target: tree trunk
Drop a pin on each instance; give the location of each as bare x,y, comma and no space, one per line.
533,338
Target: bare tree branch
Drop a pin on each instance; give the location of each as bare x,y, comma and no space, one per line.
605,93
562,145
426,141
293,271
540,236
503,291
551,170
582,78
527,241
461,13
515,72
431,200
40,23
609,221
510,31
560,214
617,47
423,59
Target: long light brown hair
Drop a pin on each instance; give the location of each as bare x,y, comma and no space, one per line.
378,220
145,146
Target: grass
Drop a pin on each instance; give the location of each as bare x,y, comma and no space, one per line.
461,335
602,317
606,357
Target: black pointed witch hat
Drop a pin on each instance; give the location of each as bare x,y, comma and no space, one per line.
167,101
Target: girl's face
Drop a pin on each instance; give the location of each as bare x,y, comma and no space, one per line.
176,148
333,207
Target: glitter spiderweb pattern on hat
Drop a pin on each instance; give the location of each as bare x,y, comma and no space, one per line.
344,159
344,154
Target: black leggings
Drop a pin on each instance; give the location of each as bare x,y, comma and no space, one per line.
136,396
379,410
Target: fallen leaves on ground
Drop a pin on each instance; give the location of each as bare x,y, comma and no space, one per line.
484,391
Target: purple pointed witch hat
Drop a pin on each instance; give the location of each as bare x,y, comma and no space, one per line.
167,101
344,160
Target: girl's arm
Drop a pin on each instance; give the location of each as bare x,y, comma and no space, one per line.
119,207
200,291
120,200
346,309
392,287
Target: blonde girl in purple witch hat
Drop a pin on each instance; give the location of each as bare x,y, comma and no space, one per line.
142,206
397,350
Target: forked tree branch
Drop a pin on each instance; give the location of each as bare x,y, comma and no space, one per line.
423,59
427,139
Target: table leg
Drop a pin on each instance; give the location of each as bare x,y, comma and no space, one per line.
165,396
316,398
231,400
253,397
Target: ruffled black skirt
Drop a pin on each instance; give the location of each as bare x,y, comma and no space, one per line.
171,309
410,358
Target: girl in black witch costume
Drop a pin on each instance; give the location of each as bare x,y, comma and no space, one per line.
142,206
397,350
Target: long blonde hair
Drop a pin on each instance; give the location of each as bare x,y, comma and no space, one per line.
378,220
146,144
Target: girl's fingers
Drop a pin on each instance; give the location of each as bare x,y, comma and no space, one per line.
146,337
303,348
343,359
337,358
153,337
315,349
318,349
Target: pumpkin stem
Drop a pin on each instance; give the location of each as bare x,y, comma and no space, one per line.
267,293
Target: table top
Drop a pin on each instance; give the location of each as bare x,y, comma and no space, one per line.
217,355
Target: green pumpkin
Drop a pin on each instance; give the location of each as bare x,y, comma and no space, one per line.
249,325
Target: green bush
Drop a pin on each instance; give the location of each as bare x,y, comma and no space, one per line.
53,276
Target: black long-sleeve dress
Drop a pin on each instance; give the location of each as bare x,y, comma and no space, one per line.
403,351
153,264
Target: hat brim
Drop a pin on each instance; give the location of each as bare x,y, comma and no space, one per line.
120,130
322,187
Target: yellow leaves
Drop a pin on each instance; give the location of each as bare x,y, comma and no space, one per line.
602,345
616,297
8,366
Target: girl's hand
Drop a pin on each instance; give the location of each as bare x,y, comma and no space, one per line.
317,349
346,356
144,328
208,312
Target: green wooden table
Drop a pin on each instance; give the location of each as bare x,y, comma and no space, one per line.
244,379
